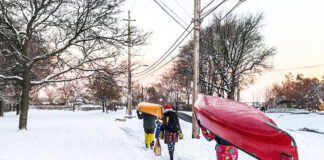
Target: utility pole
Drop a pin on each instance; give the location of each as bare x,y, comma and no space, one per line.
238,91
196,89
142,94
129,96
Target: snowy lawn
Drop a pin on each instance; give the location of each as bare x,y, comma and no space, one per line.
60,135
310,145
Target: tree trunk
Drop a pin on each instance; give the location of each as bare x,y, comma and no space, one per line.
1,108
103,107
24,100
188,100
238,92
17,109
231,94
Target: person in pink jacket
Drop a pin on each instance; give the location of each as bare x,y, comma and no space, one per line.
224,150
171,129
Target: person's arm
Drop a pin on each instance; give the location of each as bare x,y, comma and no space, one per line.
158,130
161,135
207,134
163,124
179,129
140,116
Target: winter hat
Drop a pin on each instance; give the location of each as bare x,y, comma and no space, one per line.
167,108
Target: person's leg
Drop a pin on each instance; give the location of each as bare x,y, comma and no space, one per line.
218,152
233,153
225,152
171,150
147,144
221,151
151,138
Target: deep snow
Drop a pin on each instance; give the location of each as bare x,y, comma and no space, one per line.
60,135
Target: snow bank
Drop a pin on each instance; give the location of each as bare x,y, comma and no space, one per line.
321,113
287,110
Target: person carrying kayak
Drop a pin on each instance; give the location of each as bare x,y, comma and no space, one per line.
224,149
149,127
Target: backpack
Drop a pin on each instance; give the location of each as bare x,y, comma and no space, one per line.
173,123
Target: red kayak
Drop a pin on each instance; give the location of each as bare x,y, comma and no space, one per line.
245,127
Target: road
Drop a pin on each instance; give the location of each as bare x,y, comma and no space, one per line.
185,117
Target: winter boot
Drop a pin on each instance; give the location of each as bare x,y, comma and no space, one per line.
171,155
152,144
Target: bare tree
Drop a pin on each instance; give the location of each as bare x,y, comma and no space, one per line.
299,92
137,94
235,49
232,51
11,92
105,90
153,96
51,95
65,93
183,73
48,32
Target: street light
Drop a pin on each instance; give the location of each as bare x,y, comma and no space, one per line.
129,96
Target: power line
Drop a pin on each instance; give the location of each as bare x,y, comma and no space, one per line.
154,65
237,4
173,13
165,55
207,5
150,72
205,14
170,59
183,9
169,14
290,69
297,68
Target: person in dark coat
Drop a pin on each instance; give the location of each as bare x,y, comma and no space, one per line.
171,129
149,127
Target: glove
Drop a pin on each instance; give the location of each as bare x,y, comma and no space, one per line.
181,135
158,122
205,131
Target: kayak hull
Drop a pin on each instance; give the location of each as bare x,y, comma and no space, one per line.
151,108
245,127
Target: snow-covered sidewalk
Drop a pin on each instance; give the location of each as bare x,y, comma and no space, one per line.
60,135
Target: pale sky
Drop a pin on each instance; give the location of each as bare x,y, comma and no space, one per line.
294,27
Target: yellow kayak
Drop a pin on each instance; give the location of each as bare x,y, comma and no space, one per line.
150,108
